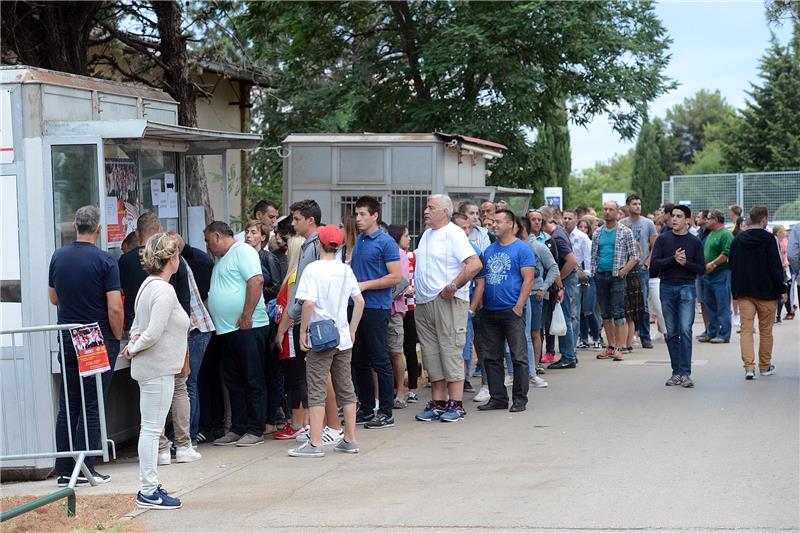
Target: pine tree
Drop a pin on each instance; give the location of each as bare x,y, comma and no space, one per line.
553,154
648,170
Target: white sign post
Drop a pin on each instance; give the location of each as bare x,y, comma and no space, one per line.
554,196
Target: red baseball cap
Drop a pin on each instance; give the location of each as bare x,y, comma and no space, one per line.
331,236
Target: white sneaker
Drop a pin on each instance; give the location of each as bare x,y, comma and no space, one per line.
770,371
482,396
538,383
509,381
330,435
305,436
164,458
186,454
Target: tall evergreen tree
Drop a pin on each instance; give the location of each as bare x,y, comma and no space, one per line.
648,170
553,159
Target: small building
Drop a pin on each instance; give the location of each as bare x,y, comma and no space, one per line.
401,170
68,141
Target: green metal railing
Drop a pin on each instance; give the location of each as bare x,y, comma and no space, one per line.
68,493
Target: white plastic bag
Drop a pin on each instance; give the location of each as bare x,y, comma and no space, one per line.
558,326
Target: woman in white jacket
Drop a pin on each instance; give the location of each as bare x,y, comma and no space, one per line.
157,351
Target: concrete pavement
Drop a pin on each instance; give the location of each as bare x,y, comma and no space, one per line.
607,446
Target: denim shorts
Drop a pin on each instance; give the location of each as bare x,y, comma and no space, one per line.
611,296
536,313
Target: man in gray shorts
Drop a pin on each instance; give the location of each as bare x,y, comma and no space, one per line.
446,262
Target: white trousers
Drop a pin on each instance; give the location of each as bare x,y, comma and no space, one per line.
654,303
155,398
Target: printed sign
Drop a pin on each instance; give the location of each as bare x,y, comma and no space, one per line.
554,196
122,184
91,349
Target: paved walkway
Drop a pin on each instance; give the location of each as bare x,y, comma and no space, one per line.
607,446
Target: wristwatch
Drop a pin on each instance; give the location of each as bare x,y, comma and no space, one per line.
453,285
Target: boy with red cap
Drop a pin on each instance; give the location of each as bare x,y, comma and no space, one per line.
325,287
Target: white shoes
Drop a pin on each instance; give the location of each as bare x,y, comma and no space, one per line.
538,383
482,396
186,454
164,458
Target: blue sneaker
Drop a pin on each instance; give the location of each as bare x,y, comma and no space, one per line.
454,413
158,500
430,413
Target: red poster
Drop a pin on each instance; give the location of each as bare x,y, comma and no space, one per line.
91,349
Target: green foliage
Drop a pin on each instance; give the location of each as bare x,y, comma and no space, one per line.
553,159
587,188
790,211
689,119
648,171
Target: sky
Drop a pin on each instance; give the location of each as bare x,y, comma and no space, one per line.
716,45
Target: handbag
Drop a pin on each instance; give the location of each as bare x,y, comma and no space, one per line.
324,334
558,325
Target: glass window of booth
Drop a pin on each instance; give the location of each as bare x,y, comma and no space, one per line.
75,184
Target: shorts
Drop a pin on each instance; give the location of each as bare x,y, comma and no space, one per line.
536,312
442,330
336,363
396,333
611,296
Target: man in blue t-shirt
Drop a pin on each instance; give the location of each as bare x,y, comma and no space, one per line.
507,277
376,265
84,285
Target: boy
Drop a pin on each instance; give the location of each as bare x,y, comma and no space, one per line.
325,288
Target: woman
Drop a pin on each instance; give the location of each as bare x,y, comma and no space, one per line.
782,236
350,234
410,326
589,325
546,274
397,318
158,351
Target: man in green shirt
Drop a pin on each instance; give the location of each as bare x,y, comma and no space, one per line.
717,280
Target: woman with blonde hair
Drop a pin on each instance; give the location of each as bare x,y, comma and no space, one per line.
158,351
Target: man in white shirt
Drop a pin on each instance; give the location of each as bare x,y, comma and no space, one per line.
582,248
446,262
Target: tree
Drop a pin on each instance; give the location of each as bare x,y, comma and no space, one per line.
488,69
587,188
553,157
688,120
648,171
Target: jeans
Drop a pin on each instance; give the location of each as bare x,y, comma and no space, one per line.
371,353
717,297
181,418
644,325
243,370
470,336
589,322
566,343
155,397
496,328
529,339
198,342
611,296
678,302
65,465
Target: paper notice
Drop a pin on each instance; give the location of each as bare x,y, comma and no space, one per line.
197,223
155,191
112,210
91,349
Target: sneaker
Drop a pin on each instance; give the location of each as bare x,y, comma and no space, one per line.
345,447
468,386
399,404
307,450
482,396
158,500
186,454
412,397
477,373
331,436
769,371
548,357
431,412
249,440
540,370
269,429
164,458
618,354
718,340
607,354
647,345
288,432
750,374
454,413
597,345
201,437
538,383
380,421
582,345
509,381
687,382
674,381
229,439
363,416
82,481
703,338
102,479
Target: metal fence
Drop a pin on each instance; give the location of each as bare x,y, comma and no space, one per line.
779,191
23,400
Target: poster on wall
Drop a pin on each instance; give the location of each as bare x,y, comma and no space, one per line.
122,188
554,196
91,349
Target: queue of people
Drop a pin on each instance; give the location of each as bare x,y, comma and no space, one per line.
296,330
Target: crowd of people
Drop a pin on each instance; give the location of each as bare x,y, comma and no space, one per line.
295,330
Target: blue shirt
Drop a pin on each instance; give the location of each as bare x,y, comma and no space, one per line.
82,274
605,250
370,255
502,269
228,291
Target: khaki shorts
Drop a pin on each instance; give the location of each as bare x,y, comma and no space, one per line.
442,329
337,364
396,333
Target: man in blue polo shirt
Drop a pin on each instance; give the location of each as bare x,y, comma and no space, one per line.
508,275
376,264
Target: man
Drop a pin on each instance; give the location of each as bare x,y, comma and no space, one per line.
504,290
240,317
717,279
266,212
376,265
487,211
613,257
500,204
702,233
793,250
569,281
644,232
477,235
446,263
678,257
757,283
582,248
84,286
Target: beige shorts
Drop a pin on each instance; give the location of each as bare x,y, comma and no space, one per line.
442,330
396,333
337,364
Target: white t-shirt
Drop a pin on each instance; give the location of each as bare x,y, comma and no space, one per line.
329,284
440,255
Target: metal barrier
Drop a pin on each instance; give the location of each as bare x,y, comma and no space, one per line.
19,351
